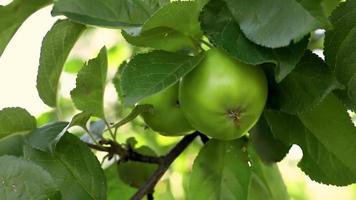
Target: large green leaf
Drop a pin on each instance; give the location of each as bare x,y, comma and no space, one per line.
13,15
221,29
265,144
339,49
14,120
331,124
326,141
306,86
47,137
220,171
268,23
109,13
152,72
23,180
266,181
73,167
344,21
90,85
56,47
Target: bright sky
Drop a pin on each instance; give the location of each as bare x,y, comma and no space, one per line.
19,63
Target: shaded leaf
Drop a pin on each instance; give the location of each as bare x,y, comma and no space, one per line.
221,29
220,179
149,73
108,13
268,23
268,148
88,95
306,86
343,20
25,180
14,120
47,137
73,167
13,15
56,47
322,161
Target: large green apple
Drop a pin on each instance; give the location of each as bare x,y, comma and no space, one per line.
166,116
222,97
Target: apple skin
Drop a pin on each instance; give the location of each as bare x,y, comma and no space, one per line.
222,97
166,116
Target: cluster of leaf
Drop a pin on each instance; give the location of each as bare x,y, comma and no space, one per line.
307,103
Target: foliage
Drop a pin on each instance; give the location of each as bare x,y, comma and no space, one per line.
308,100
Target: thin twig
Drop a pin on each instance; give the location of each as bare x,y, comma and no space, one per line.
204,138
125,154
163,167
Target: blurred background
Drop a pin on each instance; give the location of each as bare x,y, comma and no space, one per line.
18,71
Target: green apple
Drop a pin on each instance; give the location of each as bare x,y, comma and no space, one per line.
166,116
136,173
222,97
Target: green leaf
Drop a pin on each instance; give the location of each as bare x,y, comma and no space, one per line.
268,23
80,120
23,180
15,120
160,33
184,14
116,188
12,145
225,33
306,86
47,137
90,85
56,47
226,177
73,167
160,38
343,19
136,111
108,13
268,148
147,74
339,136
266,181
13,15
323,160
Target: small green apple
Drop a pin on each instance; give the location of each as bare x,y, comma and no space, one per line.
166,116
222,97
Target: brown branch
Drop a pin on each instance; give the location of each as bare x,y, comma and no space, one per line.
164,162
164,165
